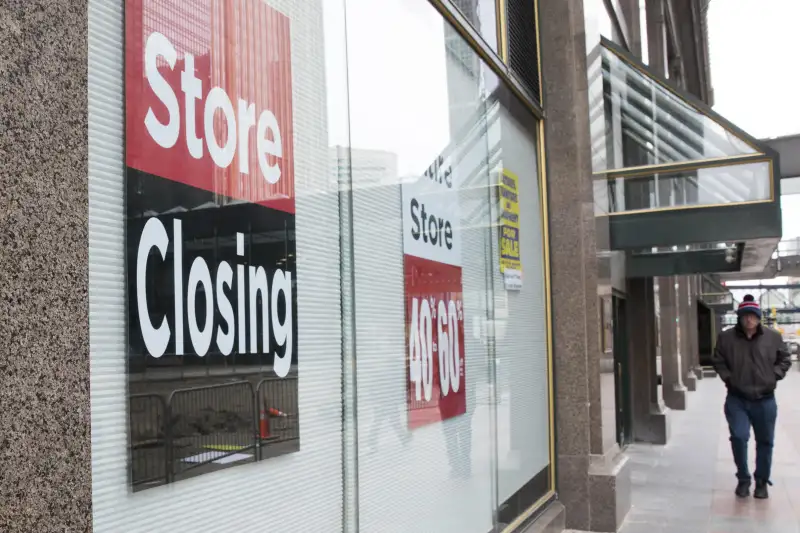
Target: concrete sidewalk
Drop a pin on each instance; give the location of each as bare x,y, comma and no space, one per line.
687,486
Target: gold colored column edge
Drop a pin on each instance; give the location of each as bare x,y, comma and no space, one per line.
538,49
548,296
510,528
679,166
502,30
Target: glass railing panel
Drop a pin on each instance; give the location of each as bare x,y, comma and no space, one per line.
640,122
724,185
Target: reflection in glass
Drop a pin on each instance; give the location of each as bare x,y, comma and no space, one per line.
211,248
418,120
431,113
637,121
723,185
598,23
482,14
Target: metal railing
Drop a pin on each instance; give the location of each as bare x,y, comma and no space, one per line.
200,429
148,433
278,425
210,424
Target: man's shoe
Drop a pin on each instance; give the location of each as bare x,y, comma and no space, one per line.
743,489
761,491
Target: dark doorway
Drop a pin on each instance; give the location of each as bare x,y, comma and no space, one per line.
705,333
622,372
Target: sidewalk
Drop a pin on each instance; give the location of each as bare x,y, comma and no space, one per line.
687,486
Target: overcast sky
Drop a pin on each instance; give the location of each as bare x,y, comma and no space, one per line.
754,70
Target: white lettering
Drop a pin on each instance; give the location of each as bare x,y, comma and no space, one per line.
201,338
268,135
268,123
193,89
222,155
218,304
177,277
225,279
153,236
282,331
421,346
240,295
165,135
443,349
258,285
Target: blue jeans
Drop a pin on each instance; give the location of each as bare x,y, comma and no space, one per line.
761,415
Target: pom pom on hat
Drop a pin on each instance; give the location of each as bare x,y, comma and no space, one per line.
749,298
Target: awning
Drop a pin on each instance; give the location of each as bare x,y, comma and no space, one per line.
682,189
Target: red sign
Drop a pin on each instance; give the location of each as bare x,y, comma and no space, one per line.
209,97
210,236
435,335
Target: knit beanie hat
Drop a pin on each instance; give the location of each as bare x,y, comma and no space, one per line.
749,305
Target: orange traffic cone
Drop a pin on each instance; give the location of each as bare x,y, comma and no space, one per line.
263,425
275,412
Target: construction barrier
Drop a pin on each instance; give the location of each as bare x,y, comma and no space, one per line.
204,428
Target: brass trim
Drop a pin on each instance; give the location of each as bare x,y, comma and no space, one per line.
544,200
672,90
502,29
538,49
489,57
518,521
680,165
687,168
772,179
682,207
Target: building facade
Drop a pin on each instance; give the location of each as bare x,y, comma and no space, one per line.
356,266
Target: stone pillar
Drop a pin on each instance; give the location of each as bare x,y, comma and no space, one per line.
696,290
674,390
685,334
593,479
45,484
650,418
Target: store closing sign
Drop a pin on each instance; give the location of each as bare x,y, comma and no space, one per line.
212,314
434,297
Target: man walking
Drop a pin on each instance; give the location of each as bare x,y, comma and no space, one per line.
751,359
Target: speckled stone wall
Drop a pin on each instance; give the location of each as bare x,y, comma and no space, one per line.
589,476
45,477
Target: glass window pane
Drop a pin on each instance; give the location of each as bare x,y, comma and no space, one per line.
598,23
482,14
520,323
447,124
421,235
710,186
640,122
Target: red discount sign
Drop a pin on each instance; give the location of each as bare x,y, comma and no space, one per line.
435,335
433,297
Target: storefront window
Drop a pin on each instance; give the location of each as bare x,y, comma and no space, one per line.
318,288
482,15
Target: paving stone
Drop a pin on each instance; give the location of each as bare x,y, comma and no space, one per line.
687,485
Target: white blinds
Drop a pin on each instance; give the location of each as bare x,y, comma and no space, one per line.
296,492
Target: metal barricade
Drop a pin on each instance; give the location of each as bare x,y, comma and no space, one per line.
278,417
149,439
211,426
